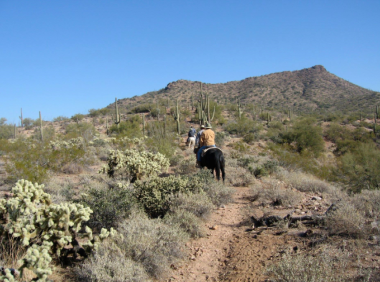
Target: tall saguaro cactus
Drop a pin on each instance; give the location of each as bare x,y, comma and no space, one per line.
117,117
240,109
204,108
22,121
143,123
107,125
42,137
177,118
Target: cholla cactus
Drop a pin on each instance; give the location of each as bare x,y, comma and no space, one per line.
136,164
30,216
38,259
73,142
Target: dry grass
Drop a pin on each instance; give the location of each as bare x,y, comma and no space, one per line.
346,220
218,193
110,264
271,191
187,221
186,166
368,201
324,265
305,182
72,168
152,244
197,204
239,177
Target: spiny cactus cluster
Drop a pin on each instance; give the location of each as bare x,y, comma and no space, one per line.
136,164
74,142
44,228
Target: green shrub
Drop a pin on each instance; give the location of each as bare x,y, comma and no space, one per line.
361,167
306,135
6,131
129,128
110,206
242,127
155,193
250,138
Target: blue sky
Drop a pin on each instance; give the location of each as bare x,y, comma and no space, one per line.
66,57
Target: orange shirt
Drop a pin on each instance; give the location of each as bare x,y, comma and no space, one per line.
207,138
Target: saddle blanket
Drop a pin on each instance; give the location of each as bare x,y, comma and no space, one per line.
211,148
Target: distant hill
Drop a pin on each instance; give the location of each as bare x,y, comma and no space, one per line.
305,90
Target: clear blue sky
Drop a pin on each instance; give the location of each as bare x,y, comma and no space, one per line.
66,57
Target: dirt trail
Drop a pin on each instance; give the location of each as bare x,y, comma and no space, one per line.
229,252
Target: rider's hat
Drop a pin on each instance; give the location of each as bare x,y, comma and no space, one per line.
202,126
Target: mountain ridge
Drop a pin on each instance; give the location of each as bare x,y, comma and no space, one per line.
307,89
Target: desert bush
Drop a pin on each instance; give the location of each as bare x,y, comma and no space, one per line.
85,130
60,191
161,138
239,176
176,159
277,195
60,118
6,131
368,202
110,264
218,193
152,243
263,168
361,168
327,265
155,193
221,138
242,127
198,204
346,220
187,222
77,117
240,146
251,137
72,168
129,128
110,205
306,136
134,163
186,166
306,182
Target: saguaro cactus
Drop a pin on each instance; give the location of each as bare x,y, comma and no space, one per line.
22,121
117,117
143,123
203,108
42,137
177,118
240,109
107,125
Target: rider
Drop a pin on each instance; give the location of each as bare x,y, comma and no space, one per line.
206,140
191,133
199,136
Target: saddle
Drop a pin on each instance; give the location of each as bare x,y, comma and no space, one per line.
207,149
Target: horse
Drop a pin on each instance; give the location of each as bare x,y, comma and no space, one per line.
213,159
191,142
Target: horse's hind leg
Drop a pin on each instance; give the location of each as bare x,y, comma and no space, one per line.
217,172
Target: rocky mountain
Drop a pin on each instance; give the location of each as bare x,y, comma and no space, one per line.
306,90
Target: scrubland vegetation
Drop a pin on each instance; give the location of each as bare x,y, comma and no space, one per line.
146,199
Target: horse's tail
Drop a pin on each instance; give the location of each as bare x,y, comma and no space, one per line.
222,165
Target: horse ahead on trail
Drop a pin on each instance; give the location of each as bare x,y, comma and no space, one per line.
213,159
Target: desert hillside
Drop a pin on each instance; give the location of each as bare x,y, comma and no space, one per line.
311,89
